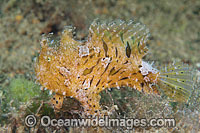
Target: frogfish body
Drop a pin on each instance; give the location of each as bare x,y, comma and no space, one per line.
111,57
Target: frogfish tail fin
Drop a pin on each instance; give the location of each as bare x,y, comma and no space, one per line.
176,81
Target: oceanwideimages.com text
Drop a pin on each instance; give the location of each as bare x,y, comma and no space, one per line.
129,123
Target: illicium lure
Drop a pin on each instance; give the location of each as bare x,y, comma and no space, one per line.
111,57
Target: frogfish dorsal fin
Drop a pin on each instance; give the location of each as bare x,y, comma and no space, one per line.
128,35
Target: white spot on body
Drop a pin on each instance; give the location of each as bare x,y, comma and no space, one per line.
86,84
64,71
106,84
146,68
105,61
146,79
96,49
117,85
83,50
50,92
67,82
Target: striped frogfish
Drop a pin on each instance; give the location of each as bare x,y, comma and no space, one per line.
111,57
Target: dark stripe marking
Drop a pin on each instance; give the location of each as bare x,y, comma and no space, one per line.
109,81
126,62
91,80
123,78
116,71
88,71
128,50
116,52
105,47
106,68
98,83
83,81
85,61
139,47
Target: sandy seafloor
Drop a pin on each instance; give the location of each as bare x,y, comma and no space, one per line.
175,36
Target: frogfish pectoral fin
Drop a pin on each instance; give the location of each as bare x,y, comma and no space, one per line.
91,105
57,101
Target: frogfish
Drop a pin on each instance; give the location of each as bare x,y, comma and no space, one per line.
111,57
